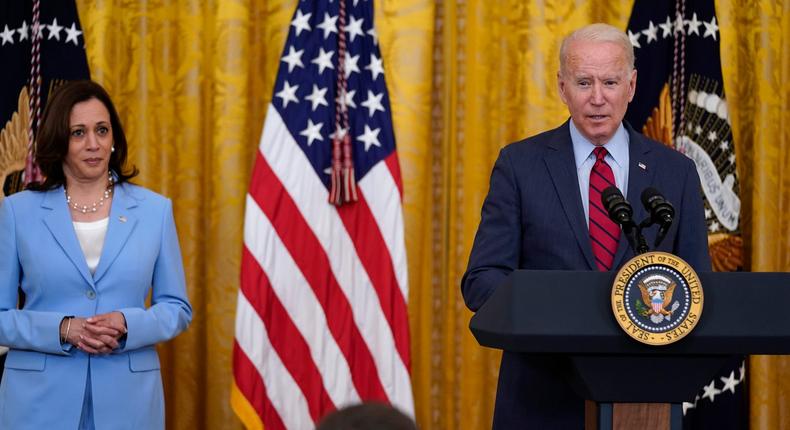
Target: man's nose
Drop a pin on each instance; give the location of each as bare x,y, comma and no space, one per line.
596,97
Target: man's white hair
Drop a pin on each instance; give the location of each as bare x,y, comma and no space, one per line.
598,33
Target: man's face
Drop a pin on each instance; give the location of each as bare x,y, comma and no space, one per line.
597,86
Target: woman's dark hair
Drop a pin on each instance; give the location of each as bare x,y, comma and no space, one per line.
52,143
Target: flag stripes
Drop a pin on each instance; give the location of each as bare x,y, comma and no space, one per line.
313,264
253,341
376,260
287,337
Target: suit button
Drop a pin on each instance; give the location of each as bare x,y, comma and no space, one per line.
91,294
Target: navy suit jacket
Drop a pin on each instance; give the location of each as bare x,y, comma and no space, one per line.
533,218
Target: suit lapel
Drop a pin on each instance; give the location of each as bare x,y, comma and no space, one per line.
640,176
59,223
562,168
122,222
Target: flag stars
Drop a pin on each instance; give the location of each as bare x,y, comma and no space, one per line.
372,33
54,30
711,28
731,159
671,27
679,24
348,98
72,33
370,137
300,22
373,102
317,97
375,66
323,60
666,28
693,24
651,32
712,136
714,227
288,94
354,28
698,130
634,39
36,30
708,213
23,31
7,35
329,25
725,145
350,64
293,59
730,382
338,133
312,132
710,391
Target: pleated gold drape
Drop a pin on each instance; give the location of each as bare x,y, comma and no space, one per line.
191,80
756,68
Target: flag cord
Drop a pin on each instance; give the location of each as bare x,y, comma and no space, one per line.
679,75
343,183
32,174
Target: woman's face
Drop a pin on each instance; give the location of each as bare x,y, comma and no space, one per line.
90,143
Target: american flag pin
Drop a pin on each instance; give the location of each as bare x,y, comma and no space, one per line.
642,166
122,218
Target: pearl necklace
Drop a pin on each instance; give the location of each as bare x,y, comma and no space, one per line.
97,204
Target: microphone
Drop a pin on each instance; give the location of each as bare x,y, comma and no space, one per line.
661,211
621,212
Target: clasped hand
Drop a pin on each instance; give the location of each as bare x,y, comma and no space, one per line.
98,334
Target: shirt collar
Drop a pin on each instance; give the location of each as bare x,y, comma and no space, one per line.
617,146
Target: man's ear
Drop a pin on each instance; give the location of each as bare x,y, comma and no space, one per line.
632,86
561,87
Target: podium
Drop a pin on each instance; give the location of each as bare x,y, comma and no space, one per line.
569,313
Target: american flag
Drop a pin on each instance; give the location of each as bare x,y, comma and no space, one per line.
321,317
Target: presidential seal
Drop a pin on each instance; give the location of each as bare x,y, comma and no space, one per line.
657,298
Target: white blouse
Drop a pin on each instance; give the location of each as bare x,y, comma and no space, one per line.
91,237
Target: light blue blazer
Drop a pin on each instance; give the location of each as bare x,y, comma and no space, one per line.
44,383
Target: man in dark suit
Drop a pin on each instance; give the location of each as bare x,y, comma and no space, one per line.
543,210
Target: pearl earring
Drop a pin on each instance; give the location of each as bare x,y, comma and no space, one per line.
112,149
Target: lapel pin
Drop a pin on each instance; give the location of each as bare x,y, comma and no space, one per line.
122,218
642,166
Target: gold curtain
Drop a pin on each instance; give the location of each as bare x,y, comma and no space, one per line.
191,80
756,69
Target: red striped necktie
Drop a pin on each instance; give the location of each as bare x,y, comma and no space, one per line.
604,233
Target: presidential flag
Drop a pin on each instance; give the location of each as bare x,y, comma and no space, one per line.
680,101
41,46
321,317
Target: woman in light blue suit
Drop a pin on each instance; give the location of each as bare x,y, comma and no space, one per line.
86,248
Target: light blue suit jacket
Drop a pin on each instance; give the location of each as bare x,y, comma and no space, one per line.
44,383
